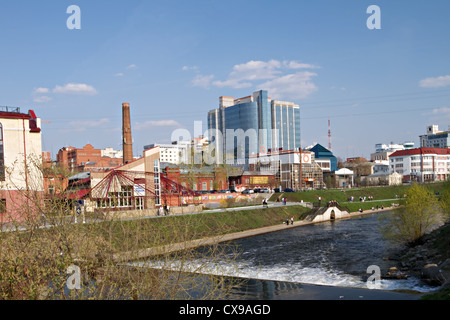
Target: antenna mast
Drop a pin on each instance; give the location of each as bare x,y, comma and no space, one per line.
329,135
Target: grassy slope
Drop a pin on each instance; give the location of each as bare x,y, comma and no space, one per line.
174,229
381,195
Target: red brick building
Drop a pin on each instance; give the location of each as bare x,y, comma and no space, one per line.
253,180
86,159
198,179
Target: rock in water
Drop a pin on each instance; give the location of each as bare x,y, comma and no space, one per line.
432,275
394,273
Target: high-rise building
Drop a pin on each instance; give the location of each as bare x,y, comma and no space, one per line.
253,125
286,122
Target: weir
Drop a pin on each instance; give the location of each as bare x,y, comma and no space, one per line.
329,213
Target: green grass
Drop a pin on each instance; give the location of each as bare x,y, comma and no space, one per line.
341,195
355,206
174,229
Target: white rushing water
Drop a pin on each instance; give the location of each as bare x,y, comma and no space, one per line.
287,273
331,254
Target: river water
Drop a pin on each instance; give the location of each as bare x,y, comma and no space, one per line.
335,254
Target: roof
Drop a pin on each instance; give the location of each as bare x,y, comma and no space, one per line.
344,171
257,173
415,151
382,173
80,194
80,176
321,151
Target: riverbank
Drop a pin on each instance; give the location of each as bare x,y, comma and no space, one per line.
432,249
246,233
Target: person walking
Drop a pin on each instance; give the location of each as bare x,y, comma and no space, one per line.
292,221
264,202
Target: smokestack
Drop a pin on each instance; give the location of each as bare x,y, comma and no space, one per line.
126,134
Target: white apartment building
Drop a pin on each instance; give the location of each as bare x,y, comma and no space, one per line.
435,138
172,153
422,164
111,153
383,151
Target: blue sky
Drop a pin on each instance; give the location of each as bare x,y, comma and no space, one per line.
172,60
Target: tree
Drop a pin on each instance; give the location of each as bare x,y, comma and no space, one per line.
419,214
445,198
104,256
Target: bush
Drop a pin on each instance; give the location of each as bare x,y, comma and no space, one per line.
420,214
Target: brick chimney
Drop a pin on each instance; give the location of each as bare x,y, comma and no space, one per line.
126,134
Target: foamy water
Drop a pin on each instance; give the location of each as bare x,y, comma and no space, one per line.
332,254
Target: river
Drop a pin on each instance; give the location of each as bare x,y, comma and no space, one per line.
334,254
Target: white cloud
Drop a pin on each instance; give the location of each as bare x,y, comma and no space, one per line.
272,75
160,123
435,82
79,126
42,99
298,65
444,111
202,81
242,74
120,74
188,68
293,86
41,90
75,88
131,66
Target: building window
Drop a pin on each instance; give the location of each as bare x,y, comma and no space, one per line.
2,206
157,182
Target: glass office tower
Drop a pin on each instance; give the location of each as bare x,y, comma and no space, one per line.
253,125
286,125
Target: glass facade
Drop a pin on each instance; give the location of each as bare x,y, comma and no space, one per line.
264,121
286,122
297,135
241,123
276,125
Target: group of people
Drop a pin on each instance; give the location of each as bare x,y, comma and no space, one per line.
163,211
333,203
287,221
361,199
